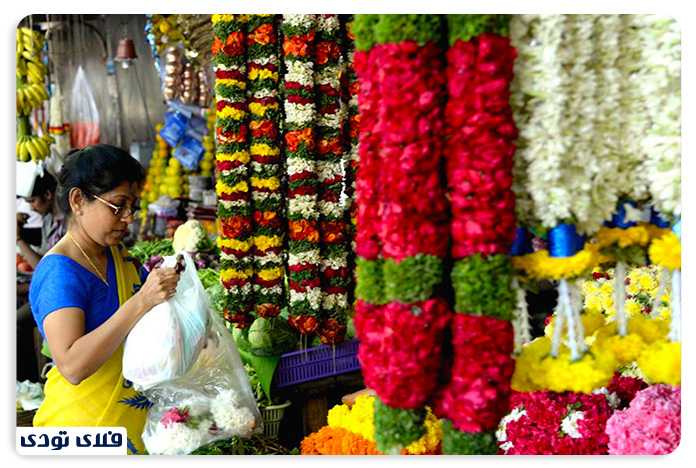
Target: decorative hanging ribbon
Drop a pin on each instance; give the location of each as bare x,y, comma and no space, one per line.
564,241
522,244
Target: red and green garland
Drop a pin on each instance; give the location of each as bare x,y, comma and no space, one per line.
401,331
479,163
304,259
351,130
332,226
263,70
232,159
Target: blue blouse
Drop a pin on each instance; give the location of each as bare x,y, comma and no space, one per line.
60,282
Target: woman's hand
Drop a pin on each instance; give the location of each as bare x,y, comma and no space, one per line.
159,286
21,221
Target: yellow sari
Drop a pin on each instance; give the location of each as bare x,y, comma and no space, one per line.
104,399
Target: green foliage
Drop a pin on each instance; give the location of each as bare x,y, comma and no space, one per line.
466,27
413,279
396,428
395,29
370,285
364,30
455,442
482,286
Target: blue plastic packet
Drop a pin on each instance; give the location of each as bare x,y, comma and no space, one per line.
189,153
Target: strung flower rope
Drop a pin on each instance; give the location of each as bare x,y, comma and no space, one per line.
332,222
303,215
521,324
657,301
232,159
620,297
675,321
267,228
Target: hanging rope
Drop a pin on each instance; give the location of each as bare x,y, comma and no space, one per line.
675,320
655,306
620,297
521,326
566,307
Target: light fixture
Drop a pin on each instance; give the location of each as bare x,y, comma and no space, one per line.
126,53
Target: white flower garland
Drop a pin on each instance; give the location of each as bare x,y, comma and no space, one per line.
662,90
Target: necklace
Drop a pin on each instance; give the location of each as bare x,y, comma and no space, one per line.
88,259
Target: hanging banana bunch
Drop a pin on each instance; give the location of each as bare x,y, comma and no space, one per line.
31,94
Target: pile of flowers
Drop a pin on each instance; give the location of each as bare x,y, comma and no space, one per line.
265,169
232,159
351,431
181,430
546,422
651,425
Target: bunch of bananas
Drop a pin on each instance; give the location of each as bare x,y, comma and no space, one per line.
29,49
33,147
30,96
31,72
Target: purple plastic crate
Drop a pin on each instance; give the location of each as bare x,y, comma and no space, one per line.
316,363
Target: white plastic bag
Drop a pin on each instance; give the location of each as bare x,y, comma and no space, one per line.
83,112
212,399
164,344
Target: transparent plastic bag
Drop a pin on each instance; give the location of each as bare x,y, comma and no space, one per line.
213,400
164,344
85,129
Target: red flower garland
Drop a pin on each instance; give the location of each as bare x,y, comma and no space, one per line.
481,129
368,176
401,349
414,206
481,370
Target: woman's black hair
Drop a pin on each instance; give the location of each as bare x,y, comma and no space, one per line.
43,184
96,170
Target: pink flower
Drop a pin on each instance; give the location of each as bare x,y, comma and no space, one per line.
651,425
173,416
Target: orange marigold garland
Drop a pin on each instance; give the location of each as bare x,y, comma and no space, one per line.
304,258
232,159
264,134
332,225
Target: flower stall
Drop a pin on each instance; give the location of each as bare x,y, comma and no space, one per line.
471,220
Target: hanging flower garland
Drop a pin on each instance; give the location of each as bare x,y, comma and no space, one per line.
661,49
479,130
232,159
401,342
351,129
264,113
332,225
304,259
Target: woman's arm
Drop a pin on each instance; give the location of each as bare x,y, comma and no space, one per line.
78,355
28,253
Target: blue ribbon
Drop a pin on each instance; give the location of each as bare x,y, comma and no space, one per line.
522,244
619,218
656,219
677,229
564,241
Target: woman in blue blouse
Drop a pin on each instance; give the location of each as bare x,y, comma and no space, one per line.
87,293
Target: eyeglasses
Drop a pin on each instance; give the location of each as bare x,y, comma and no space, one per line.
121,212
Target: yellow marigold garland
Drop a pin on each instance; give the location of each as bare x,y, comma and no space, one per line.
661,362
540,265
360,420
666,251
